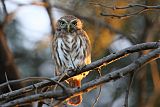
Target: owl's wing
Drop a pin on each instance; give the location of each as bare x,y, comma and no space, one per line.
53,47
53,50
87,48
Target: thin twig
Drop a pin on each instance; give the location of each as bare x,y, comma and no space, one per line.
9,87
58,83
128,89
124,15
61,77
100,89
27,79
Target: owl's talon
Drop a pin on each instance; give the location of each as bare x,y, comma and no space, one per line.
78,68
70,69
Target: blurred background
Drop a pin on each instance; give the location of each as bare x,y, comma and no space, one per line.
28,32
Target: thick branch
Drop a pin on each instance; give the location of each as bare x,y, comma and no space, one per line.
101,62
92,84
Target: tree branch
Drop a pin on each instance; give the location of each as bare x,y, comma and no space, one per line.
90,85
4,7
128,89
126,7
48,8
124,15
99,63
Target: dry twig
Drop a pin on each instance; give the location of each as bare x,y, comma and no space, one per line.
9,87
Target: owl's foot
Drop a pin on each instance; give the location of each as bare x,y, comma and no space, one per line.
78,68
69,70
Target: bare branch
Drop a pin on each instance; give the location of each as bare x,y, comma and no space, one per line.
25,90
100,89
28,79
124,15
92,84
130,6
99,63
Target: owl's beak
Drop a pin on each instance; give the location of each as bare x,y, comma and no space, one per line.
68,28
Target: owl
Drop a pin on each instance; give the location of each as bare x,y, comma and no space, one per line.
71,50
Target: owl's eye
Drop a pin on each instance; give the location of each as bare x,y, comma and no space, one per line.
74,23
62,23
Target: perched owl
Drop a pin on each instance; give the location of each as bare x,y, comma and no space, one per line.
71,49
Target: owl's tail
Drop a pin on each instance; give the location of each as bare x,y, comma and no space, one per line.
76,100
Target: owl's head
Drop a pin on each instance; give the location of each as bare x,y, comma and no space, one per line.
69,23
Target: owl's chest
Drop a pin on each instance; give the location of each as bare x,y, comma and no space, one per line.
70,51
70,43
